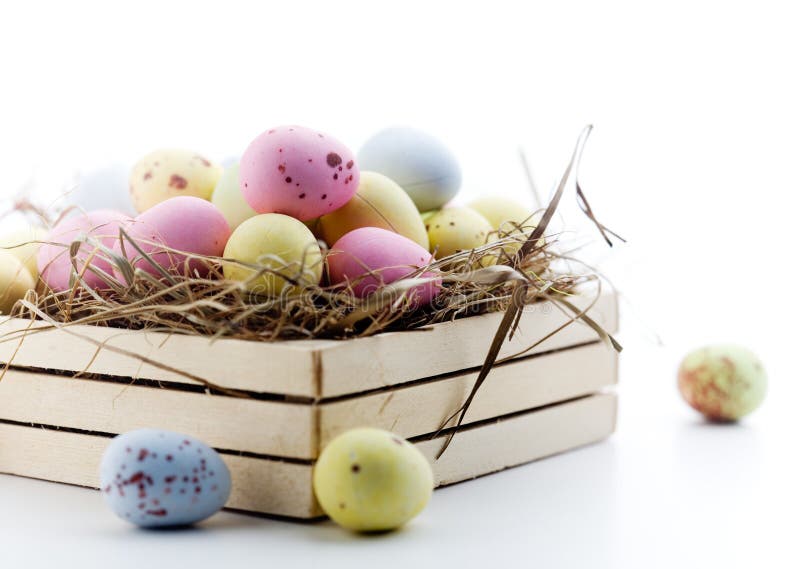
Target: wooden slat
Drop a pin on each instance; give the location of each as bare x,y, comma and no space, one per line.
530,436
285,429
394,358
307,368
264,427
265,486
516,386
280,488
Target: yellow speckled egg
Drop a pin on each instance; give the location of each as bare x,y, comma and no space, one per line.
456,229
24,245
499,211
277,242
15,281
228,198
372,480
379,202
165,174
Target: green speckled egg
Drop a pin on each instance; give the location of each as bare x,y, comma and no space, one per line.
724,382
456,229
372,480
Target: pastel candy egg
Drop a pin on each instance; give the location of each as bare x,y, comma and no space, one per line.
502,213
456,229
723,382
96,229
102,187
154,478
228,198
379,202
278,243
372,480
24,244
417,161
168,173
15,281
187,224
297,171
370,257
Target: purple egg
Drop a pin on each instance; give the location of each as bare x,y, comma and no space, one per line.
155,478
298,172
55,265
369,258
185,223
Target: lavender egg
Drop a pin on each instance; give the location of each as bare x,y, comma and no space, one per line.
421,164
155,478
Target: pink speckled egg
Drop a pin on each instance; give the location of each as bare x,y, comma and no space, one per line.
185,223
99,227
369,257
298,172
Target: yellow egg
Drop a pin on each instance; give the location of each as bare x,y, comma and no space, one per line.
228,198
24,245
372,480
379,202
456,229
276,242
499,211
15,281
165,174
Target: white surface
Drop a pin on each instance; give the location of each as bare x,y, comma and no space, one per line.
667,491
693,160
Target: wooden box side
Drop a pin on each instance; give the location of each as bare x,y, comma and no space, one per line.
310,369
281,428
284,488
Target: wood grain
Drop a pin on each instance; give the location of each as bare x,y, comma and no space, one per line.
303,368
285,489
280,428
515,386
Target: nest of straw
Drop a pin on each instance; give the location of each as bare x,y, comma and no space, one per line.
182,301
520,265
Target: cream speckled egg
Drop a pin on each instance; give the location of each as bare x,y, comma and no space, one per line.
15,281
277,242
502,213
372,480
169,173
456,229
228,198
379,202
24,244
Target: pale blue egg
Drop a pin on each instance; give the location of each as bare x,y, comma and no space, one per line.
417,161
153,478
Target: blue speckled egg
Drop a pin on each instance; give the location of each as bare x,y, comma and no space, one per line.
415,160
157,478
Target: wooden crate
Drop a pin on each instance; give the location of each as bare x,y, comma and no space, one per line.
64,398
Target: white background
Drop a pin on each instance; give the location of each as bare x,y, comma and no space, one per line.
696,107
